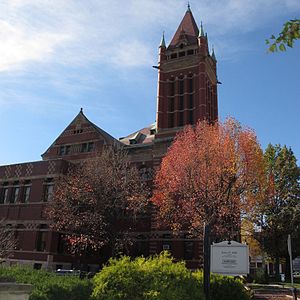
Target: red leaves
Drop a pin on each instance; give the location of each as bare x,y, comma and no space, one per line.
210,174
89,202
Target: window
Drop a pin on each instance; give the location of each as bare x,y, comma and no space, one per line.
68,150
90,146
180,121
41,241
191,85
171,120
4,194
87,147
26,194
174,55
188,250
48,190
84,147
191,117
62,150
181,54
181,101
190,52
172,88
15,193
191,101
171,104
181,86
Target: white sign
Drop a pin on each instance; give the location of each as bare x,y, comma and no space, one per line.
229,258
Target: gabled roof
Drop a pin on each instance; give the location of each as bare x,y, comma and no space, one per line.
80,130
187,28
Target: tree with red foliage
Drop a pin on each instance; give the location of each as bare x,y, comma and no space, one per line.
90,202
212,174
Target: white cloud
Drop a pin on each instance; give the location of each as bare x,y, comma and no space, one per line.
116,32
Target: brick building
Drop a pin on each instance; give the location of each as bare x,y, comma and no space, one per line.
186,93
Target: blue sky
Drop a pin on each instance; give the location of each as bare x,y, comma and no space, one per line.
60,55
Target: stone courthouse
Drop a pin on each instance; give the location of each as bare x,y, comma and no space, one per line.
186,93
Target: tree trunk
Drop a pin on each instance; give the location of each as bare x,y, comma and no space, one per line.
277,273
287,268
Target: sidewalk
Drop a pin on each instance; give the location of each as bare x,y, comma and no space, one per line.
274,293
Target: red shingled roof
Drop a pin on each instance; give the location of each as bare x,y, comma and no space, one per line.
189,26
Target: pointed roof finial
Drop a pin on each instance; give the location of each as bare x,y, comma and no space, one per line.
213,53
201,32
162,42
81,110
188,6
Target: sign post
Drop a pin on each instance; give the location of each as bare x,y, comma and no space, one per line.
230,258
289,244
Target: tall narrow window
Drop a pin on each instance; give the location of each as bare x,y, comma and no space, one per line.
180,119
181,86
181,102
191,101
191,85
191,117
171,104
48,190
41,241
170,120
4,194
172,88
26,194
15,194
62,150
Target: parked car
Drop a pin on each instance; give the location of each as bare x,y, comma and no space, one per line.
296,274
66,272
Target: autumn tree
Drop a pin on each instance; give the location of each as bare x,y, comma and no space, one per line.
281,211
90,202
7,241
211,174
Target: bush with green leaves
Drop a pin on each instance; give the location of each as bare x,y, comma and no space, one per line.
49,286
225,287
151,278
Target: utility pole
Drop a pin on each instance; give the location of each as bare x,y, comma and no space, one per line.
206,257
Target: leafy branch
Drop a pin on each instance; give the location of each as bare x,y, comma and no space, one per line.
289,33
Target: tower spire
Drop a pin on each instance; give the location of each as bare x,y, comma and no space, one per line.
162,42
213,53
201,32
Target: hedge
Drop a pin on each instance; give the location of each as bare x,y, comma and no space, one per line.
49,286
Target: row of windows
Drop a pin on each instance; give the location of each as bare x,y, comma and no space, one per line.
181,86
69,149
182,54
181,106
180,119
18,193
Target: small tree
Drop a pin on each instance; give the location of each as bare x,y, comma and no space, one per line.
90,202
7,241
281,211
212,174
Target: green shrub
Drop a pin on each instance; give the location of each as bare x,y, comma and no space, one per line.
146,278
224,287
49,286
